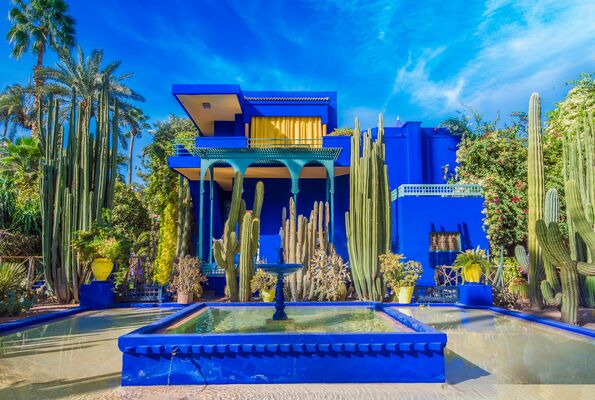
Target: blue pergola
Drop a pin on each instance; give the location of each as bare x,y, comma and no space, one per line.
294,159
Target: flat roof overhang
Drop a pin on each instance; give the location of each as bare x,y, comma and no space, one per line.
206,104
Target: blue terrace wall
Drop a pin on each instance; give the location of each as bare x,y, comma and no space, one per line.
417,216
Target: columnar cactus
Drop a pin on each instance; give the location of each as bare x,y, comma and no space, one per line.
550,287
550,240
368,221
77,183
536,196
579,173
300,237
226,248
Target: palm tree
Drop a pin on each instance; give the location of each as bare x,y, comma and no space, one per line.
37,25
21,160
137,122
16,108
85,76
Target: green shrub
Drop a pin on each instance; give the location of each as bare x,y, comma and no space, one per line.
14,296
398,274
101,242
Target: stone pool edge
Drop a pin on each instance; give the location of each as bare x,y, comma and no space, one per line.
511,313
152,358
8,328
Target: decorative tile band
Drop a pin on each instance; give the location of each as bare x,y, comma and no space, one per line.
270,348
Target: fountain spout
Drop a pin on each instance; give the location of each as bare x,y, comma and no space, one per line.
280,270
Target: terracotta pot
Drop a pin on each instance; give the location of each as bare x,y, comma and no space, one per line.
184,298
268,296
404,295
102,268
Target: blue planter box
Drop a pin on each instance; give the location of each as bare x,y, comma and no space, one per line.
152,358
475,294
97,295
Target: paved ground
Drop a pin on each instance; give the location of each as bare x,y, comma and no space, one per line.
77,358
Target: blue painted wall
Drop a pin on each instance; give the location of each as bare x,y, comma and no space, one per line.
417,216
415,155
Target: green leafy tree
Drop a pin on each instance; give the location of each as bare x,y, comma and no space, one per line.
129,216
496,158
37,25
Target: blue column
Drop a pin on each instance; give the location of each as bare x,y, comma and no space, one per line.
211,179
201,212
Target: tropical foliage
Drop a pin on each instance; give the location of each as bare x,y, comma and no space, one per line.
36,26
14,296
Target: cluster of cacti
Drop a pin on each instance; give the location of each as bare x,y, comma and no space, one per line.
563,289
536,189
330,276
77,184
240,235
368,221
300,238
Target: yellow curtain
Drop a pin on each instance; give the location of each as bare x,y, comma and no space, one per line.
286,131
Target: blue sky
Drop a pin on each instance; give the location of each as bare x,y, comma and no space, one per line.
420,60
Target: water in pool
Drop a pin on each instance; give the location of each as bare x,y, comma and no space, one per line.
246,319
486,346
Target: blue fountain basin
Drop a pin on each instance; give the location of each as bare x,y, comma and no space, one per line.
224,343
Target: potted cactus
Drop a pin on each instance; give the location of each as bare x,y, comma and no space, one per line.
187,279
264,283
472,263
101,247
401,277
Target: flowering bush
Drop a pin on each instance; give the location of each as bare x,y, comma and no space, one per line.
397,273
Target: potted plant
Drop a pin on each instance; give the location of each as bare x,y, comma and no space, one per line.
264,283
400,277
101,247
472,263
187,279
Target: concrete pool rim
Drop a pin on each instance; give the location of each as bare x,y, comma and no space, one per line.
8,328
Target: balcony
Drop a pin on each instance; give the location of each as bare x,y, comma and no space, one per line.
188,146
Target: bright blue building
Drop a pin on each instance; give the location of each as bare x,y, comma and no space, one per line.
283,139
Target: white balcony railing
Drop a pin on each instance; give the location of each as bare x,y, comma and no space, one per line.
442,190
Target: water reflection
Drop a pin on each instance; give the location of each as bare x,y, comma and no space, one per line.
509,349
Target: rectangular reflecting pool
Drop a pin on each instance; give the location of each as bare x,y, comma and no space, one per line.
247,319
222,343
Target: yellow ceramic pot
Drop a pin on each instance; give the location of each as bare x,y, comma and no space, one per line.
268,296
102,268
404,294
472,273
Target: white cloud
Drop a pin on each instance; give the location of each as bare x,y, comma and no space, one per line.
551,43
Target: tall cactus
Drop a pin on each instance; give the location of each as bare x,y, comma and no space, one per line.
579,173
300,237
77,183
536,196
550,240
550,287
234,241
368,221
